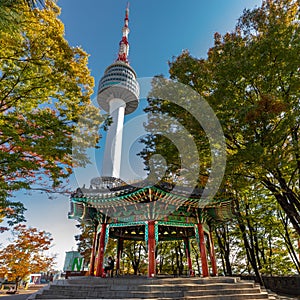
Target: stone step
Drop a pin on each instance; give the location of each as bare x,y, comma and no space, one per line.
115,294
153,289
149,294
144,280
118,298
159,288
207,297
222,292
161,294
229,297
156,287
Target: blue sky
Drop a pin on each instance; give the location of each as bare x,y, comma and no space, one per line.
160,29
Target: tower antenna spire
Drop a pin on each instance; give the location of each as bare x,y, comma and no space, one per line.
124,45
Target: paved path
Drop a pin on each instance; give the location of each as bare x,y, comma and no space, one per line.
15,297
22,295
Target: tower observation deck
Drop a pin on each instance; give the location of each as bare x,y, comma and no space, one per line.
118,94
119,81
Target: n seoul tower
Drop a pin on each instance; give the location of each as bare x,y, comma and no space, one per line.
118,94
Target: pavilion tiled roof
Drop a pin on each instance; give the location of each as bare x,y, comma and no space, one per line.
105,193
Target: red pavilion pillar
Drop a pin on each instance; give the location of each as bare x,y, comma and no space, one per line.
100,256
203,251
151,249
119,253
212,255
188,255
92,260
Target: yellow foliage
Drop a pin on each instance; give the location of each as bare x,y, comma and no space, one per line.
45,88
26,254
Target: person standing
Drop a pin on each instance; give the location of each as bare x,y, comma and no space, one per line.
110,267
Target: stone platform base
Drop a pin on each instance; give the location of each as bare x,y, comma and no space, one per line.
214,288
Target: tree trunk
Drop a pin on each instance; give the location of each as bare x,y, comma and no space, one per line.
289,243
287,200
172,263
17,283
177,260
181,266
196,251
223,243
249,250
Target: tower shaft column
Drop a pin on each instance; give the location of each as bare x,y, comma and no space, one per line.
113,146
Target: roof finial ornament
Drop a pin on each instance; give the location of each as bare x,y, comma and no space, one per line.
124,45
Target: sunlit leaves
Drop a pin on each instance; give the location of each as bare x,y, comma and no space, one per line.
251,79
45,88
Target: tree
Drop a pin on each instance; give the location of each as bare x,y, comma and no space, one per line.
31,3
13,212
45,88
251,79
34,3
26,254
258,240
170,129
135,252
10,16
224,239
85,239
